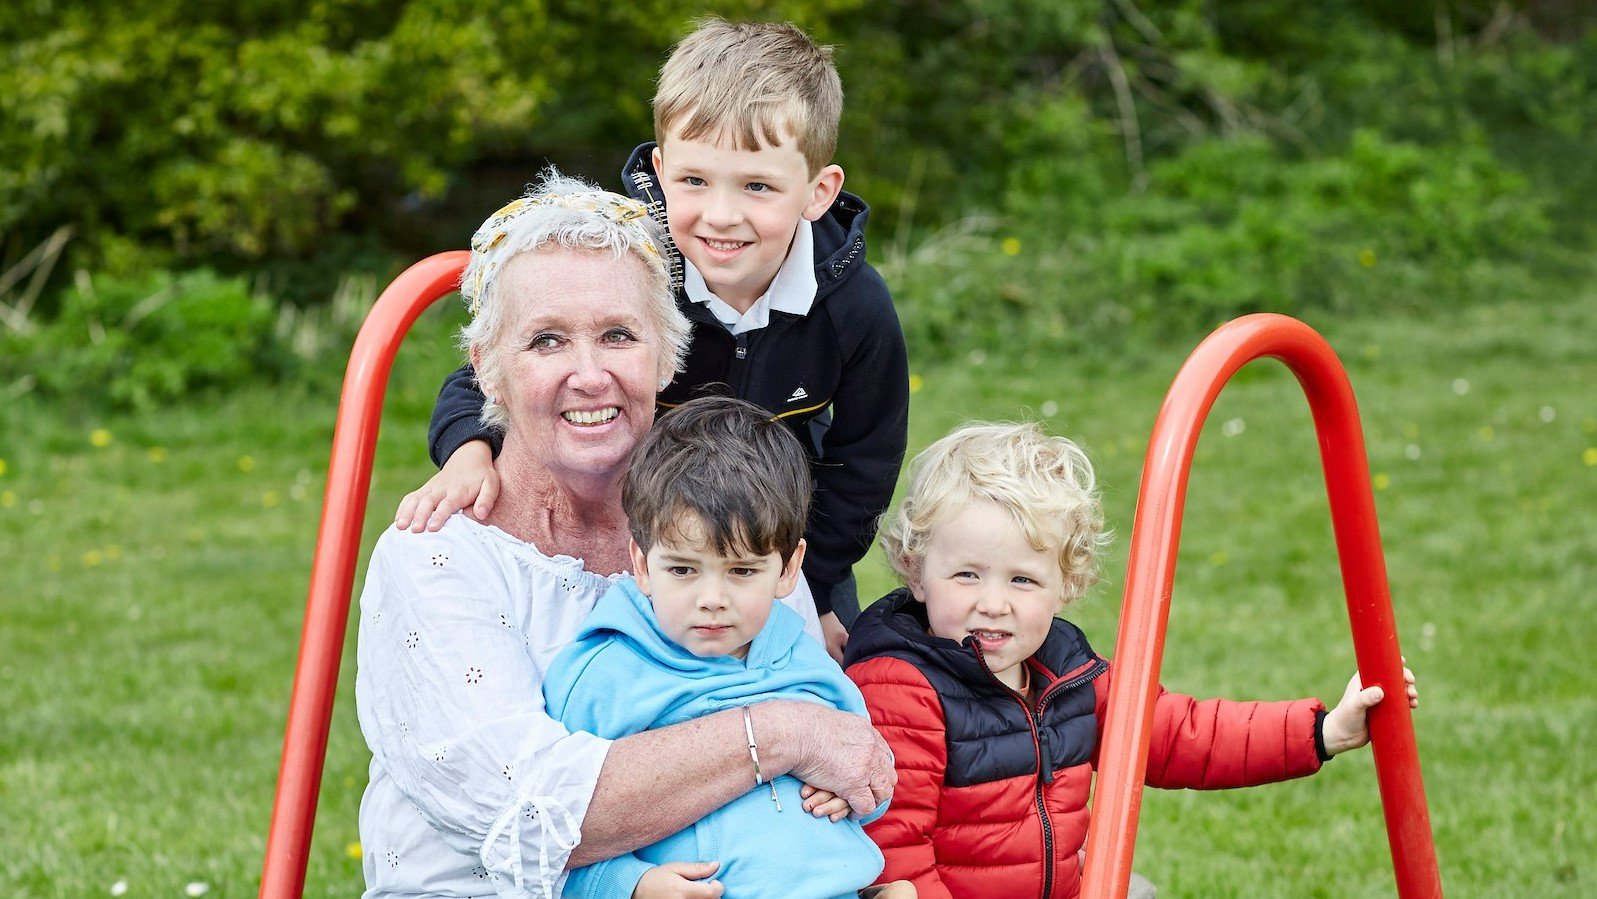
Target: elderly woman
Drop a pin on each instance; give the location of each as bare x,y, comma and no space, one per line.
475,790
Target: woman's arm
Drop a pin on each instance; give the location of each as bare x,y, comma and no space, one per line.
657,782
448,699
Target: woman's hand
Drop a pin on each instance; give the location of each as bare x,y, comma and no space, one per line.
835,751
679,880
1347,726
468,478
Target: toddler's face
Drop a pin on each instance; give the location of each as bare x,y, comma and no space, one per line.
733,212
981,578
710,604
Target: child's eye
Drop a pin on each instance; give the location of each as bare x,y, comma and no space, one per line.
1022,579
693,181
679,570
758,187
745,572
965,575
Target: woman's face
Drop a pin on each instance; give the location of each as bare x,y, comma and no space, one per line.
578,360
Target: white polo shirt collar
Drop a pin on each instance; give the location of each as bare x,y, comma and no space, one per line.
791,291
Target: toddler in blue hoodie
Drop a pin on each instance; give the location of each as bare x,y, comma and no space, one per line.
716,499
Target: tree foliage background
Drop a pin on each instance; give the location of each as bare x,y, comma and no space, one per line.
1042,172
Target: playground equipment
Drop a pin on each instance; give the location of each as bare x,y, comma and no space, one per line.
1155,534
1151,570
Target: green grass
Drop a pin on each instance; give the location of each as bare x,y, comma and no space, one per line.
151,592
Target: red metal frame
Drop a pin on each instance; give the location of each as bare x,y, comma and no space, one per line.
1151,573
333,571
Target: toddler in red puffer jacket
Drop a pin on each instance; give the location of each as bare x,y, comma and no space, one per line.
994,707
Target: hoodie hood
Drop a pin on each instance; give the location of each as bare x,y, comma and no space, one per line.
627,613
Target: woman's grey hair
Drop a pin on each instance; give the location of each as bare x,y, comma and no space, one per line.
561,211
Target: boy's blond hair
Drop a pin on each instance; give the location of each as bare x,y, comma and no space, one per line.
1046,483
751,82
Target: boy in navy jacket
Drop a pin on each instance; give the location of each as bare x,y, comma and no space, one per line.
769,266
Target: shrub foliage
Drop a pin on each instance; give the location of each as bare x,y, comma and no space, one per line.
1040,170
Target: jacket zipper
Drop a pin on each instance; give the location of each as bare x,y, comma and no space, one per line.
1043,771
1045,764
1039,743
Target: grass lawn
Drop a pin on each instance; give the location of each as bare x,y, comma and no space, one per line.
153,571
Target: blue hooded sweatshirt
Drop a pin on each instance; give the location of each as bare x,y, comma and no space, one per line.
623,675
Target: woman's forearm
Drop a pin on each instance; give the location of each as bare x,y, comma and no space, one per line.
657,782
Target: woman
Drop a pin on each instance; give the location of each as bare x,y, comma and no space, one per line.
474,789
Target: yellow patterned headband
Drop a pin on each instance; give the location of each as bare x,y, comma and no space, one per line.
614,208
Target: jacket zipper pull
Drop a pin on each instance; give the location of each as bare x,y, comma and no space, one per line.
742,346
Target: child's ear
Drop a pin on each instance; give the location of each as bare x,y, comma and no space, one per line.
791,570
658,159
823,192
640,565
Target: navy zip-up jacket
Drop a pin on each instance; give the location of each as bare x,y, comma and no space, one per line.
846,354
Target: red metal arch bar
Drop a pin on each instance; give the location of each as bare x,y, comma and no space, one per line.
1150,575
349,473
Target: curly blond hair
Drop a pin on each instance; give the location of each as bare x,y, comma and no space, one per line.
1046,483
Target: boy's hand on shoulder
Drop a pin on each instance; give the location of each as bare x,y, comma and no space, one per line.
468,478
1347,726
679,880
836,636
824,803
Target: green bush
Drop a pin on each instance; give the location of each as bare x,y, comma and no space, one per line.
1229,226
148,340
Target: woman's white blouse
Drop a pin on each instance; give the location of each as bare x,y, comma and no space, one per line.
474,790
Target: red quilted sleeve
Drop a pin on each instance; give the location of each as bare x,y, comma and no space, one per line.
1214,744
907,712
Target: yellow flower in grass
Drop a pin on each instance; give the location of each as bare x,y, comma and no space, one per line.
916,382
1367,258
92,559
246,464
1011,246
99,438
2,468
1381,482
1589,456
7,499
270,499
156,454
353,850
